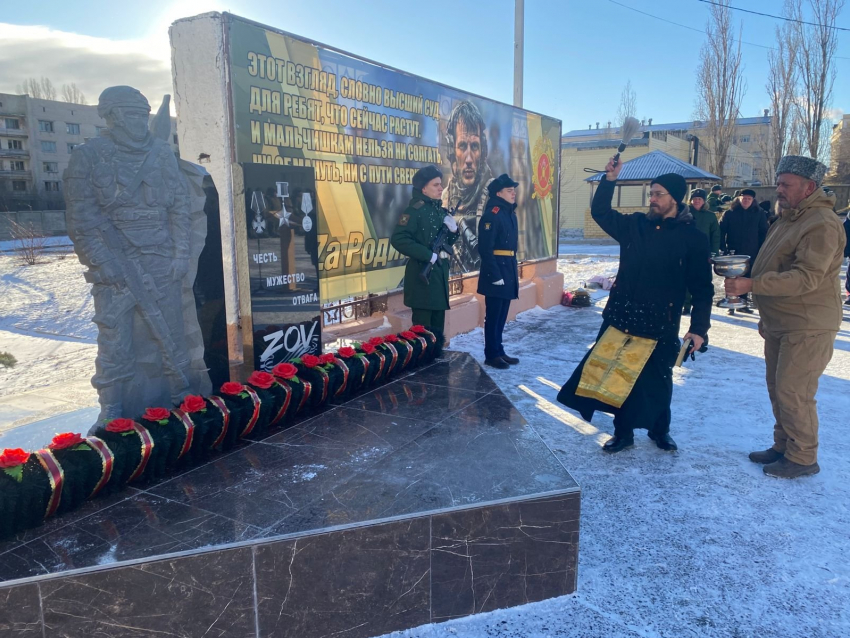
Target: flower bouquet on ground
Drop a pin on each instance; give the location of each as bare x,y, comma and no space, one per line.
424,343
168,434
286,375
312,373
203,421
86,465
376,358
354,365
337,376
243,403
273,399
132,445
401,353
25,491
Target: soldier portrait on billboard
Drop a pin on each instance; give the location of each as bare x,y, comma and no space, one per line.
466,142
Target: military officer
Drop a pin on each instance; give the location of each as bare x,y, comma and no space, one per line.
498,279
414,237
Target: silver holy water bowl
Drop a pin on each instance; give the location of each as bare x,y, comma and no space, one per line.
731,266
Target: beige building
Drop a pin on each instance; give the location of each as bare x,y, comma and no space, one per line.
839,165
36,140
746,162
576,156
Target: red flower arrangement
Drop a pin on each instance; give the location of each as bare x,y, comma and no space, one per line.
368,348
66,440
232,388
120,425
262,380
285,370
12,457
391,338
408,334
346,352
376,341
418,329
193,403
157,415
327,359
310,360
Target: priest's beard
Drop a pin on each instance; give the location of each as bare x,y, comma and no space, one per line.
656,212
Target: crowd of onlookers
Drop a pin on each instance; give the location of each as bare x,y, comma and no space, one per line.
736,224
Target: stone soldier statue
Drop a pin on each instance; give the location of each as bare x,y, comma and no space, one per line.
128,214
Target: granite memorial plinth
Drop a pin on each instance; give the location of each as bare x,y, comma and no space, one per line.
426,499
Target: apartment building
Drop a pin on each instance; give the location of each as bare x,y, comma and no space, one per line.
36,140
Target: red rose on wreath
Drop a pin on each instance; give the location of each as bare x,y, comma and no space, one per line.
120,425
12,457
156,414
66,440
232,388
193,403
326,358
310,360
376,341
285,370
418,329
391,338
408,334
346,352
368,348
262,380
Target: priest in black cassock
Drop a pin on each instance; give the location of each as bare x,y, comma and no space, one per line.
629,371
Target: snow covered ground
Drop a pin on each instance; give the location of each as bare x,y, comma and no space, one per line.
45,323
697,543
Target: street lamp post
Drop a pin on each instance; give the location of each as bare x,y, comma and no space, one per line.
519,29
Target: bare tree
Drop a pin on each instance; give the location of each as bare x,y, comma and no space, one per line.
70,93
628,104
42,89
817,42
720,85
29,243
781,88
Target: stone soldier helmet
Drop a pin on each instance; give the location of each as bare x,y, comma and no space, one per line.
118,96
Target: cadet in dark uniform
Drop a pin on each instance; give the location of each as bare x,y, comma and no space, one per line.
498,279
413,237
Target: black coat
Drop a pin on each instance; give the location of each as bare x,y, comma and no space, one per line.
497,231
743,230
659,261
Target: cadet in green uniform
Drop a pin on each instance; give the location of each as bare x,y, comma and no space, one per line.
413,237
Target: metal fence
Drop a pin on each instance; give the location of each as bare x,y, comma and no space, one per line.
49,223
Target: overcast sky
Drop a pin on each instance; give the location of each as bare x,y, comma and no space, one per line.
578,53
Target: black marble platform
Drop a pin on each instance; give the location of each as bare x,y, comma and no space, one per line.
426,499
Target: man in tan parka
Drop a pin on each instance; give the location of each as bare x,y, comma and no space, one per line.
795,282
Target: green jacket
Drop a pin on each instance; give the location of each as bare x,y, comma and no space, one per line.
413,235
713,203
707,222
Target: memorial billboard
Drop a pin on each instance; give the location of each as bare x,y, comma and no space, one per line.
365,129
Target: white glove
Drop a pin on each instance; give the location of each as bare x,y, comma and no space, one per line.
450,223
434,257
501,282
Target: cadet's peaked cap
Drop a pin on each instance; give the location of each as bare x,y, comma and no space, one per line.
502,181
698,192
675,185
802,166
117,96
425,175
